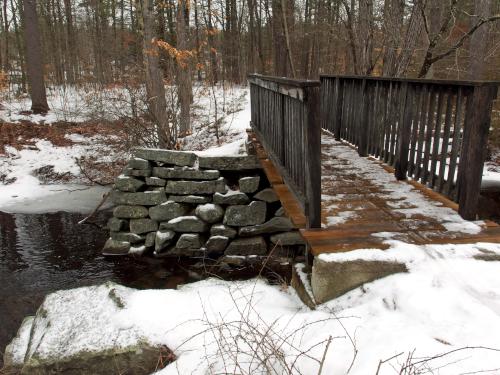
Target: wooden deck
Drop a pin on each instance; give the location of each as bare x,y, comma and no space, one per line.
359,212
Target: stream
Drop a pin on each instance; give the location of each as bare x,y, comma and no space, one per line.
44,252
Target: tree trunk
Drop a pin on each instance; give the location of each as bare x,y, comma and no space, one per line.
365,36
198,46
393,27
184,84
211,45
34,63
6,66
155,89
281,22
70,39
479,41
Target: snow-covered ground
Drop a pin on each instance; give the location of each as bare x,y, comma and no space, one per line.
447,306
22,191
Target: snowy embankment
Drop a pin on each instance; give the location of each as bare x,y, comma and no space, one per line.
442,316
26,193
21,190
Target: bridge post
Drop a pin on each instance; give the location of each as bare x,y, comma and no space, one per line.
473,152
313,157
404,133
362,126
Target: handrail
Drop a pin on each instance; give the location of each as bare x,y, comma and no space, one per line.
415,80
285,116
434,131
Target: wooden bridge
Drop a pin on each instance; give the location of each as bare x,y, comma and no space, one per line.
359,160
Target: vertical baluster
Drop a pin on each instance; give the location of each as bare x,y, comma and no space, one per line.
455,145
418,174
404,131
436,138
428,136
362,126
384,92
416,123
445,140
395,122
339,105
388,120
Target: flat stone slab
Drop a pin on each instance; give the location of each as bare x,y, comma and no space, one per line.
130,212
186,224
137,250
229,163
113,247
189,241
150,239
116,225
140,226
209,212
244,215
193,199
167,211
195,187
186,173
223,230
133,238
331,279
163,238
247,246
180,158
155,181
138,163
249,184
280,212
267,195
147,198
276,224
129,184
287,239
138,172
216,244
231,197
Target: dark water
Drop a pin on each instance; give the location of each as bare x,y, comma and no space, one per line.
41,253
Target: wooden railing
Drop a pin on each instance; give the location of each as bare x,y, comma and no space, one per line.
432,131
285,117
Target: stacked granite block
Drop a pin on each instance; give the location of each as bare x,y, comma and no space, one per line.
173,203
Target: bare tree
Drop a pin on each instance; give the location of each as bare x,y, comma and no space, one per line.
438,34
393,27
184,83
155,88
478,43
34,63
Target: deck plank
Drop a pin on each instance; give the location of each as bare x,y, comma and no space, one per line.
358,213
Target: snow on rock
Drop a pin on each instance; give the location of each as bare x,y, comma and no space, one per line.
82,319
16,350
